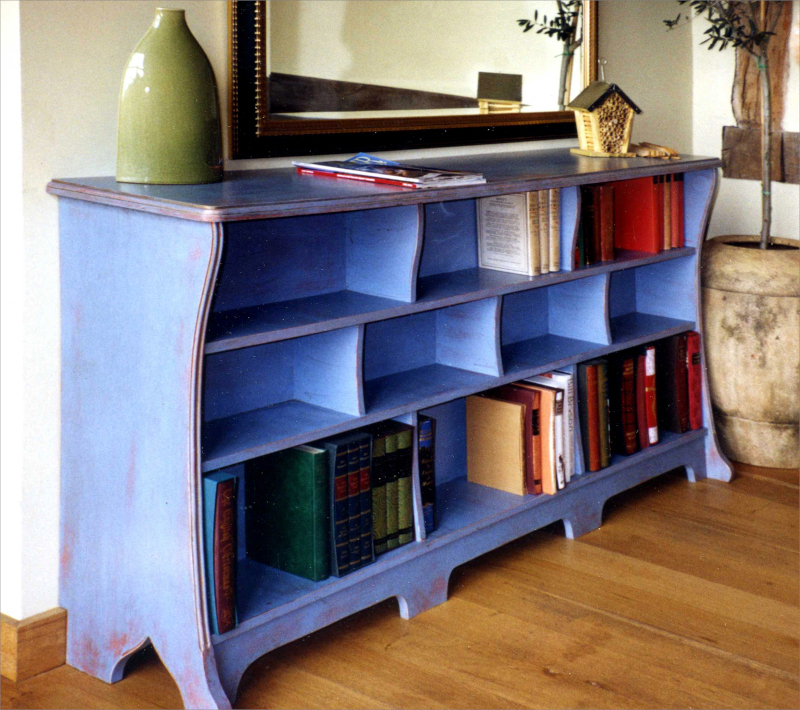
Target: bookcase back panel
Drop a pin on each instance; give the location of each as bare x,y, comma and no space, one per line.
525,315
383,251
467,336
667,289
698,197
578,309
450,451
451,237
399,344
622,293
273,260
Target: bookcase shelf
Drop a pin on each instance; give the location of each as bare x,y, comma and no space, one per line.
205,326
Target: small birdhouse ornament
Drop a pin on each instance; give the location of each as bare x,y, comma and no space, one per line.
604,116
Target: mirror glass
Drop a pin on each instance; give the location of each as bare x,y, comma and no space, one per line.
336,59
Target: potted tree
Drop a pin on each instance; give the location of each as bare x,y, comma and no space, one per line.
750,285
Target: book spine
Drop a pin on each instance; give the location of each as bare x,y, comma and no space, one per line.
392,534
555,229
682,385
536,441
365,504
650,394
641,402
363,178
544,231
628,407
580,247
558,438
427,471
588,221
379,494
321,568
606,208
694,380
405,502
532,201
225,555
597,231
677,211
602,413
658,190
341,508
593,422
667,185
354,505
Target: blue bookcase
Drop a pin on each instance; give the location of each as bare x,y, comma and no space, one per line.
203,326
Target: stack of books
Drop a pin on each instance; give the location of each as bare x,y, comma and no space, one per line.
520,436
645,215
328,508
520,233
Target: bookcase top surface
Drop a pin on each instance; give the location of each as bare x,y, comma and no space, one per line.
282,192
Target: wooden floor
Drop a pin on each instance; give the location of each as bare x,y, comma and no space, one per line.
687,597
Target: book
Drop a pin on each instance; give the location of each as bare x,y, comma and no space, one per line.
550,425
564,381
339,507
602,412
392,504
427,470
672,384
604,200
365,503
667,209
530,400
363,165
354,504
589,223
378,476
677,211
509,234
405,501
288,518
496,444
589,414
650,393
694,380
641,402
627,394
638,221
544,230
555,229
219,528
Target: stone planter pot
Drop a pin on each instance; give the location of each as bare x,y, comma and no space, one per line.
751,319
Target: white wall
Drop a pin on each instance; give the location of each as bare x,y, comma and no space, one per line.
738,206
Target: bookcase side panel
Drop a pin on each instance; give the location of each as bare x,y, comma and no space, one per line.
327,370
579,309
569,219
266,261
451,237
135,291
467,336
383,251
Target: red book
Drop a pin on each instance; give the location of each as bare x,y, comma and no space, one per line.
605,209
530,399
650,393
638,223
225,555
641,403
694,380
677,211
348,176
588,407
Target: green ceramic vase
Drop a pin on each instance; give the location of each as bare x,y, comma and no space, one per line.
169,119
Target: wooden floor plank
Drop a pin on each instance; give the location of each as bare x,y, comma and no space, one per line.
687,596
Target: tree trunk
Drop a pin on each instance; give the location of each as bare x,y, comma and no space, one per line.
566,61
766,151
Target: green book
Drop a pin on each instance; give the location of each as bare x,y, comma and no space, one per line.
405,502
378,475
392,531
602,412
288,521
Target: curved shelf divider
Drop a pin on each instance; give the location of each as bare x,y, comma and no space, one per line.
568,224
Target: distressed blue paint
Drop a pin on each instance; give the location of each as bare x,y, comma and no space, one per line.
304,343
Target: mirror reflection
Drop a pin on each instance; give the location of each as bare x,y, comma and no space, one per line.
336,59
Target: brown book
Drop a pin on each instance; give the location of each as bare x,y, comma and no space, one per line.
589,415
641,403
530,399
602,413
672,384
225,555
677,211
547,428
496,444
605,209
628,407
597,227
667,211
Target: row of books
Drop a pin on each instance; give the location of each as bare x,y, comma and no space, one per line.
625,400
644,214
520,436
316,510
520,233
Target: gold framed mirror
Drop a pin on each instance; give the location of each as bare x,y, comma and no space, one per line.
333,76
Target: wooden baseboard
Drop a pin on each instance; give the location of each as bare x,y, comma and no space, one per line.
33,645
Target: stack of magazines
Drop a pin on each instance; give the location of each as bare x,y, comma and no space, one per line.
371,169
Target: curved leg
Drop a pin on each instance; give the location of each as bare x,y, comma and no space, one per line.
427,592
583,519
195,675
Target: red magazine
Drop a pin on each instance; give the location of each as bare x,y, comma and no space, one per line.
694,380
348,176
638,222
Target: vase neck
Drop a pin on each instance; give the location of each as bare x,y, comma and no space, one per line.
169,18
